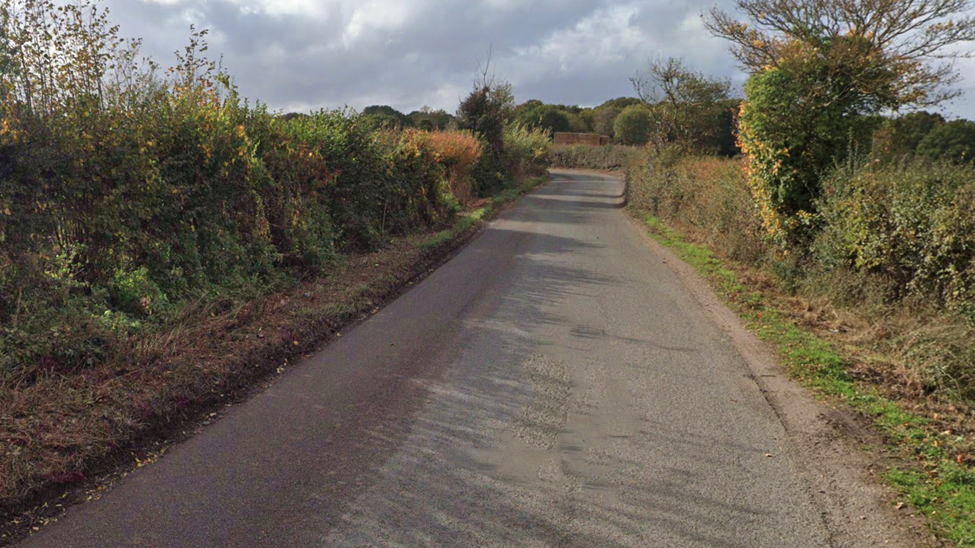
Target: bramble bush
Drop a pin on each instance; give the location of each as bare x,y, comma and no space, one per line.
912,225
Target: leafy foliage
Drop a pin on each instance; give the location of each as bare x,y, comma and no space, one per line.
459,152
953,141
633,126
687,106
820,69
792,132
603,120
621,102
535,114
485,112
900,137
912,226
126,192
526,150
888,52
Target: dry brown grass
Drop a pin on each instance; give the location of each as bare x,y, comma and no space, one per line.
460,151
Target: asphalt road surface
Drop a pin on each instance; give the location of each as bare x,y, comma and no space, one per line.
555,384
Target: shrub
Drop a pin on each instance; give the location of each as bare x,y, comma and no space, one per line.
526,150
912,225
460,152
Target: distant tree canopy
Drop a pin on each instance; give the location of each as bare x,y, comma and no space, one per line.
621,103
429,119
535,114
952,141
385,117
603,119
687,108
633,126
899,137
552,118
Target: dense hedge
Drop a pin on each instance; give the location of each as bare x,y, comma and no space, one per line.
108,217
913,226
124,194
607,157
894,242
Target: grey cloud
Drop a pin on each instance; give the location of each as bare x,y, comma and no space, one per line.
568,51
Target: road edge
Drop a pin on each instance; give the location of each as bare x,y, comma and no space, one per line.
835,452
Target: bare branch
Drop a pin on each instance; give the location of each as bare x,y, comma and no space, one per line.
904,41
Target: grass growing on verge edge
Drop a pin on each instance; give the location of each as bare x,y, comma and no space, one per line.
932,473
467,221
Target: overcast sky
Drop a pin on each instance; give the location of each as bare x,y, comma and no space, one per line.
300,55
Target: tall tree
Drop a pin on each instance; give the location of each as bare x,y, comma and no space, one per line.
686,105
818,67
603,119
893,52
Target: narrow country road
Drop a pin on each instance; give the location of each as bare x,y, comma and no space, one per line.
555,384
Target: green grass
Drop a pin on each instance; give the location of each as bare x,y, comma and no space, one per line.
927,474
467,220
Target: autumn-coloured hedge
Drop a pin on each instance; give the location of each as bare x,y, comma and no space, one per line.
460,152
125,191
894,242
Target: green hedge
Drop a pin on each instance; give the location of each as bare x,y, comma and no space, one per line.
107,219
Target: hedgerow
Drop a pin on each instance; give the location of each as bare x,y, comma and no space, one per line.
592,157
126,191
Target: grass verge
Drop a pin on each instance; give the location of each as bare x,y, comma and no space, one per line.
934,472
66,438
